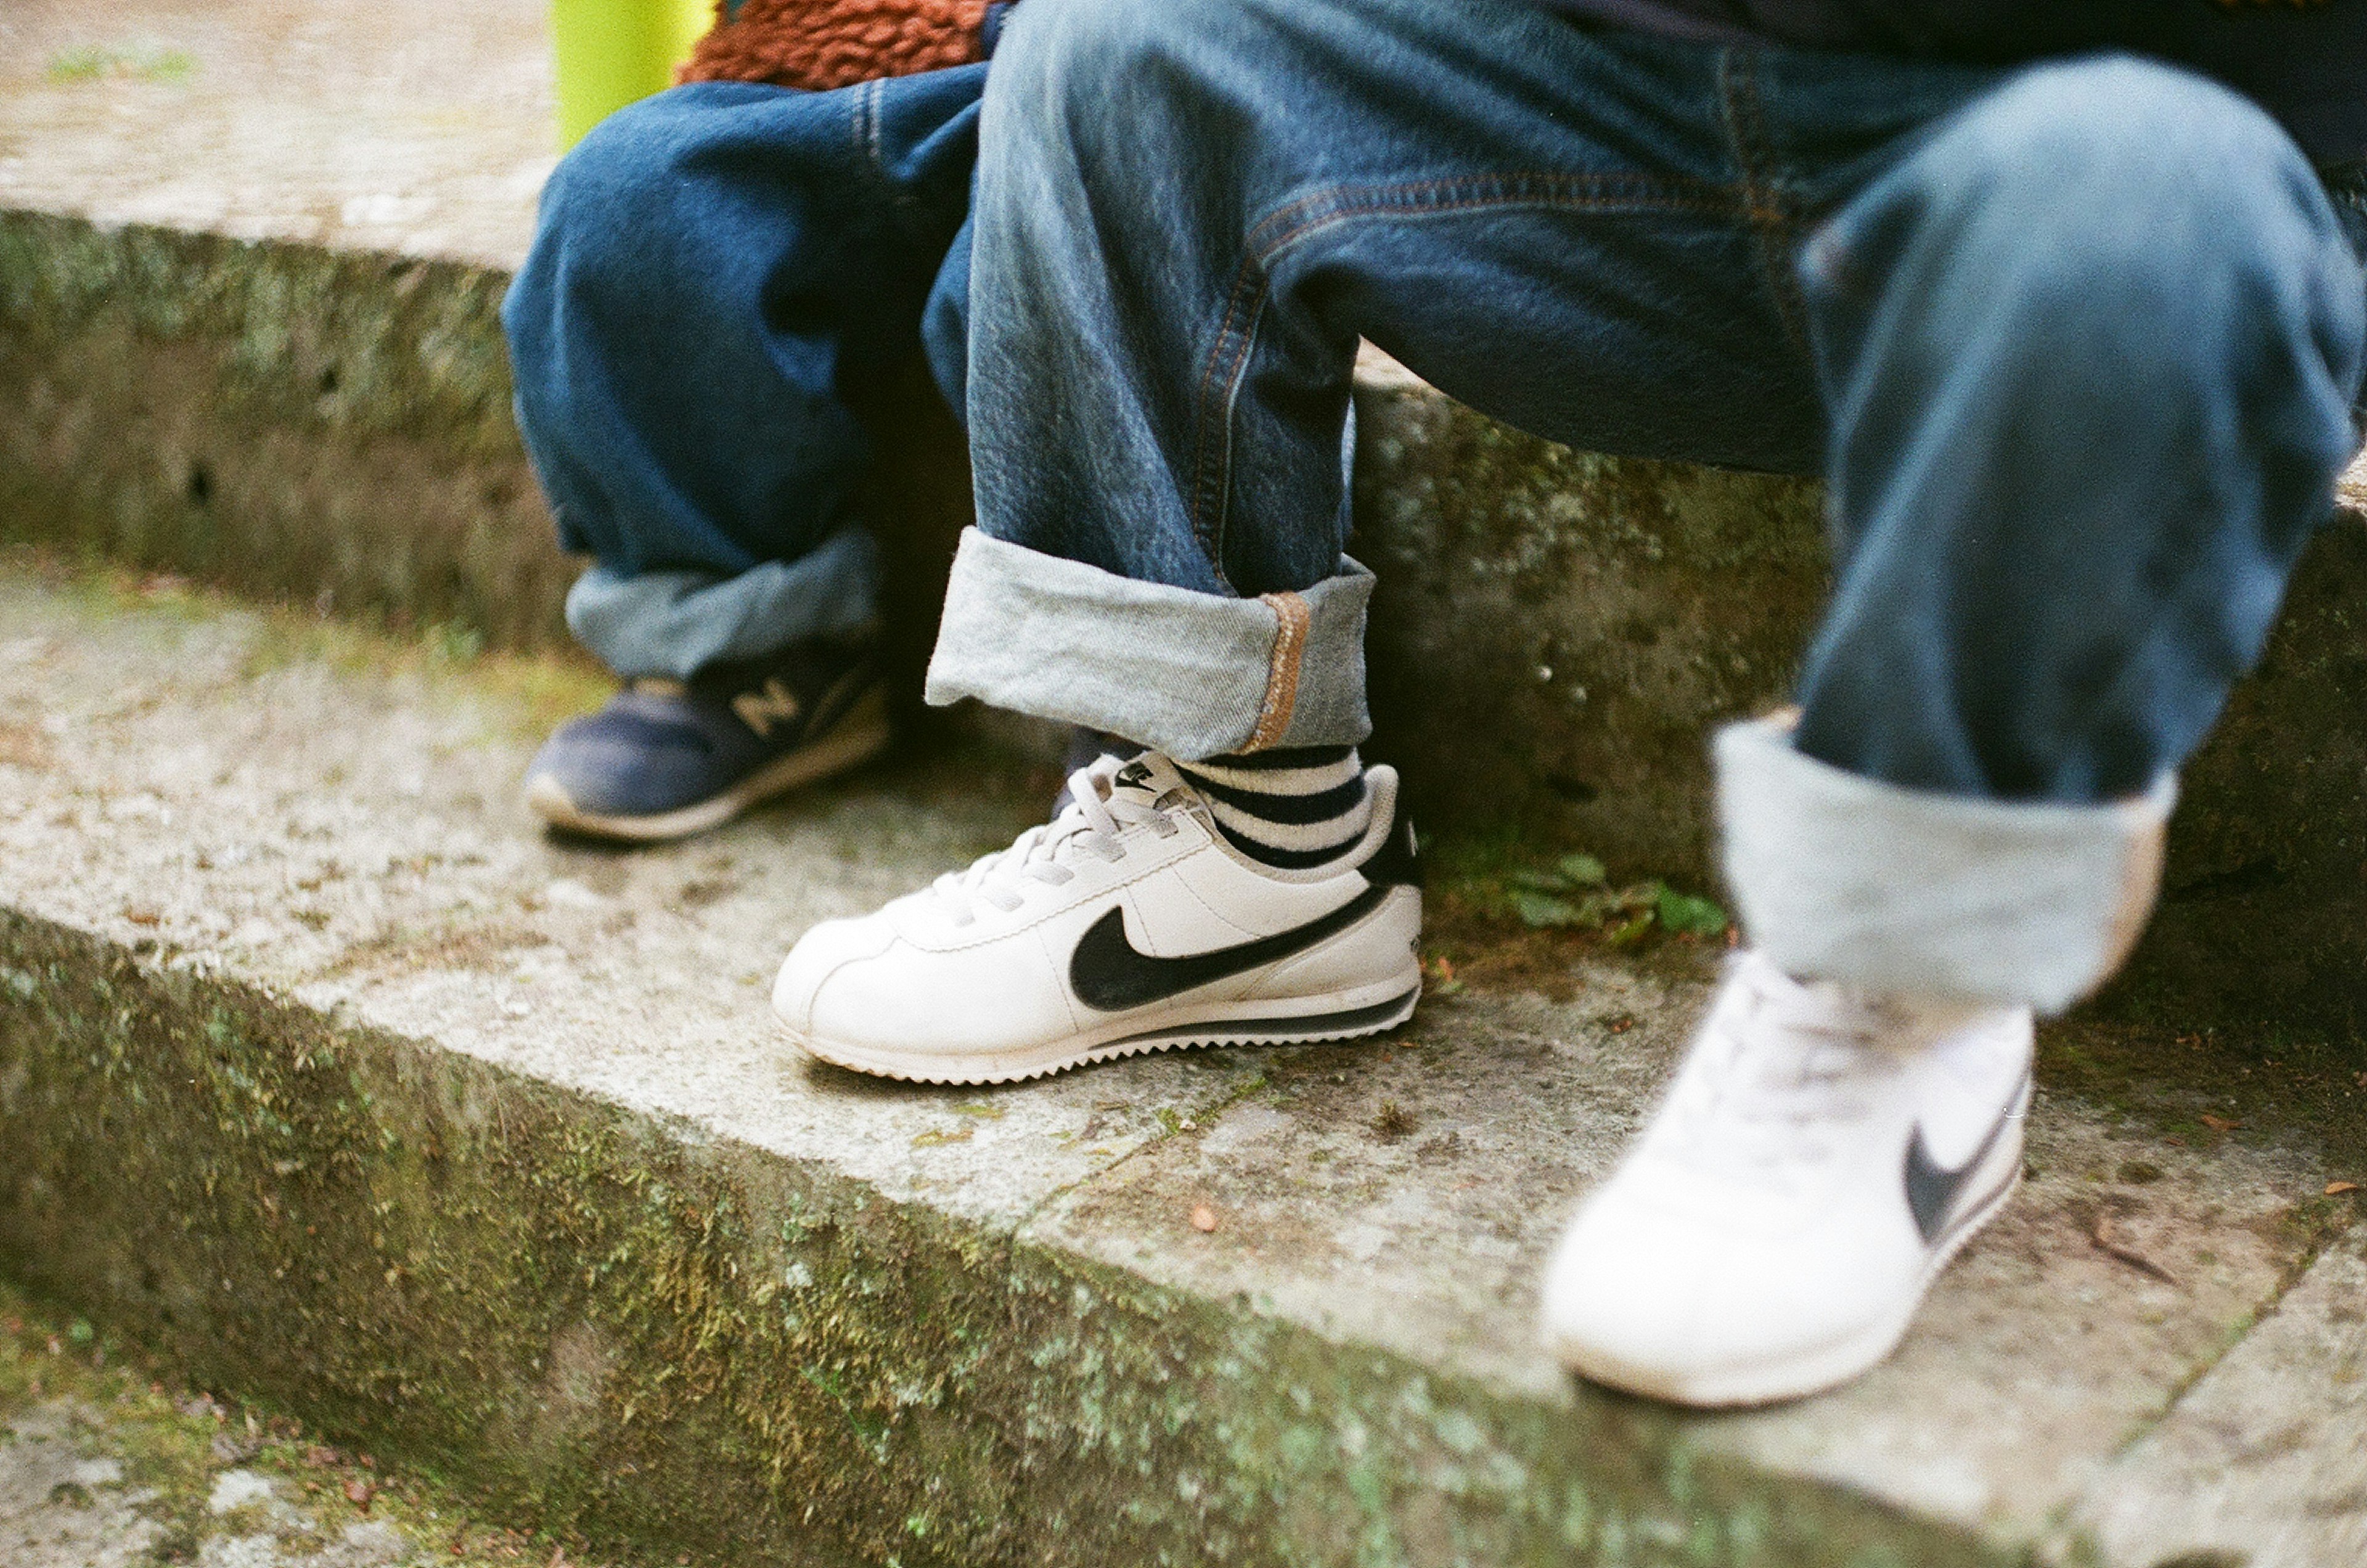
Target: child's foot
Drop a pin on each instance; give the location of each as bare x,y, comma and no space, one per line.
1129,924
666,759
1818,1160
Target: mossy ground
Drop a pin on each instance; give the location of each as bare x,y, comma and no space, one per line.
666,1345
538,690
173,1440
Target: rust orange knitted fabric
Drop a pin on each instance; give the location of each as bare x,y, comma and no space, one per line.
819,44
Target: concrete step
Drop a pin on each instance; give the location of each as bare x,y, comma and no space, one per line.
271,359
325,1074
105,1463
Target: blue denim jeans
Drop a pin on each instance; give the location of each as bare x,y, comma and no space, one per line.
2074,344
716,272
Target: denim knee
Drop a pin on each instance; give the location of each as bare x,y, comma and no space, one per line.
595,207
1092,75
2089,349
609,196
2108,206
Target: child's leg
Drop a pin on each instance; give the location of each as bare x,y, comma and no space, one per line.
718,270
2078,442
2090,348
1188,213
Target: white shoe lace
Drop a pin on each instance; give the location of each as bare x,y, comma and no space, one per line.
1094,821
1780,1073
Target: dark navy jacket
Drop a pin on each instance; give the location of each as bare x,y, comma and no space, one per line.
2303,61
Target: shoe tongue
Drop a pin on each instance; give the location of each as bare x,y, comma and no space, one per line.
1148,778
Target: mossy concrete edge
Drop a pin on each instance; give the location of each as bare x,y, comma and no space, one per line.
605,1324
297,424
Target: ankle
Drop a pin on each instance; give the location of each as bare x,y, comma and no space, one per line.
1291,810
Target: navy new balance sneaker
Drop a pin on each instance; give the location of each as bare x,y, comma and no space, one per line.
666,759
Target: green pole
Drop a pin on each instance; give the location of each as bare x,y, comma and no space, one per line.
611,53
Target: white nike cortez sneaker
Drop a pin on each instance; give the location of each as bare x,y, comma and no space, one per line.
1125,924
1819,1157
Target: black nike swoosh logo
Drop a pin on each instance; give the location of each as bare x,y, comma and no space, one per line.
1933,1187
1110,976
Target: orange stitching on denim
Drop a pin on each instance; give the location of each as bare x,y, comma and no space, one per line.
1206,446
1292,617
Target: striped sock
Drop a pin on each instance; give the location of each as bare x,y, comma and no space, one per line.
1290,809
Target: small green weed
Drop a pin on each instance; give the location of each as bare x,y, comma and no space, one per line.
453,642
92,63
1576,893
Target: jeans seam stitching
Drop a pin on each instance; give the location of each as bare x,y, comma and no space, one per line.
1213,463
1228,354
1312,225
1353,201
857,134
1764,207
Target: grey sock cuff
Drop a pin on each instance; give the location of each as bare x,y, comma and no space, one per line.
1839,877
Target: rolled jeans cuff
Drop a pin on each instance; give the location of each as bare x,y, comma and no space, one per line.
676,623
1840,877
1191,674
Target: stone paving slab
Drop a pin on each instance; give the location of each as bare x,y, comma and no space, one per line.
410,126
2265,1461
321,415
103,1465
382,862
242,805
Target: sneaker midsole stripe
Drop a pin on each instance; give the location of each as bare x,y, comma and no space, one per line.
1296,1024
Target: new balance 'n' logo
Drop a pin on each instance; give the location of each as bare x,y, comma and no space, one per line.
761,710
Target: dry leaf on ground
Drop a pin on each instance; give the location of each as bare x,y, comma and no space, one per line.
2102,1239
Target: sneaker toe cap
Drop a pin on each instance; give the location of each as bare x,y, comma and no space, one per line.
1620,1300
1707,1317
621,765
818,956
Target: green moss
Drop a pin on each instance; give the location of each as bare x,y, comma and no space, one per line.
603,1329
2280,1086
533,691
172,1442
345,340
328,427
90,63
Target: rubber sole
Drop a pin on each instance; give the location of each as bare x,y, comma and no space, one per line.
1296,1021
1828,1366
862,735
